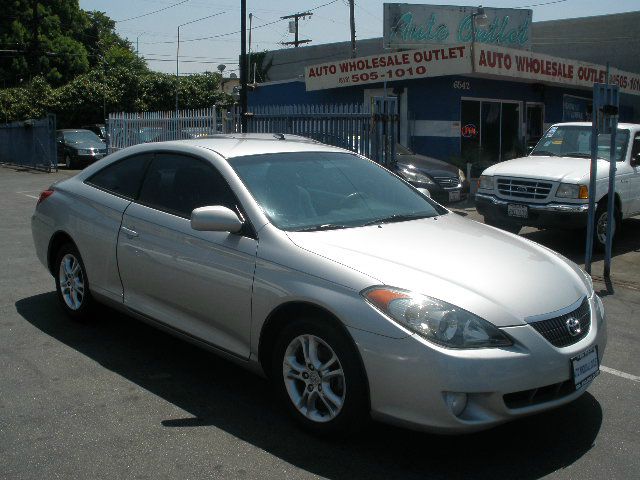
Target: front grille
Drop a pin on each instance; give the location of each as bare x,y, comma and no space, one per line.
556,331
447,182
523,189
535,396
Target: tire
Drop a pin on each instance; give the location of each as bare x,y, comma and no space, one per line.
71,163
331,389
600,226
507,227
72,285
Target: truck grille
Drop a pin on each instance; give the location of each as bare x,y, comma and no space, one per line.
523,189
556,331
447,182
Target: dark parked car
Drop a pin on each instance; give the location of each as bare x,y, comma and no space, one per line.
78,148
97,128
445,182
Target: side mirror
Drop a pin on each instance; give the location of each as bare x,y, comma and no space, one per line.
215,219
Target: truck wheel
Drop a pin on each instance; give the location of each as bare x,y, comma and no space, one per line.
600,228
507,227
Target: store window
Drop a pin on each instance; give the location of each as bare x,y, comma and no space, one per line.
490,132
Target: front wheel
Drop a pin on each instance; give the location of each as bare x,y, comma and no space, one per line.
600,230
319,378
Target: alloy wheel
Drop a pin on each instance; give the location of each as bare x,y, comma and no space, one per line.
314,378
601,228
71,281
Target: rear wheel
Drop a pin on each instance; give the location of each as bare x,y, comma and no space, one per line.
72,287
508,227
318,376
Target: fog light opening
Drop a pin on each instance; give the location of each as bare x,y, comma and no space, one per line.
456,401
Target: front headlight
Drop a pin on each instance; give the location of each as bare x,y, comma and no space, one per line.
415,176
571,190
485,182
462,176
437,321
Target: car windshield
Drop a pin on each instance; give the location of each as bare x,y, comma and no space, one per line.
575,141
80,137
306,191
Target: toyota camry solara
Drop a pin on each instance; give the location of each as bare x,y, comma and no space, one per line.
355,294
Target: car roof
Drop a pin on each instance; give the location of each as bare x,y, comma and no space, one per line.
624,126
243,144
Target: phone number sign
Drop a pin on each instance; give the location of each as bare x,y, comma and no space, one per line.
421,63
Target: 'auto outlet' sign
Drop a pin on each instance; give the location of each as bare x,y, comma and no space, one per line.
456,60
405,65
545,68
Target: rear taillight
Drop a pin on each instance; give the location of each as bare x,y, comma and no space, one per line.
44,195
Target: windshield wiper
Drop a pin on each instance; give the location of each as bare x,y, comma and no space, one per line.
326,226
397,218
577,154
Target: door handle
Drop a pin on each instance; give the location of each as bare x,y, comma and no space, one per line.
128,232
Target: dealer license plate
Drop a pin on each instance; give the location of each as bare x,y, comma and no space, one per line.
454,196
585,367
520,211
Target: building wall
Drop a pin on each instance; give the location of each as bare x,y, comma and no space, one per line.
434,104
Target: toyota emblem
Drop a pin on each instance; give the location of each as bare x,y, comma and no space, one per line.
573,326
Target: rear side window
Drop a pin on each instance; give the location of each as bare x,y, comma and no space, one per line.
122,178
177,184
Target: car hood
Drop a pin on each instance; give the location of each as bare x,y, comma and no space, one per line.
88,144
499,276
559,169
431,166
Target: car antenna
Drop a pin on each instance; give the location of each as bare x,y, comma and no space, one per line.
279,136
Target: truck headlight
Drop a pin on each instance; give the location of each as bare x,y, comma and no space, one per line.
571,190
436,321
485,182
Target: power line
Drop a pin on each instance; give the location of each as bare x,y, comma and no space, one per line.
542,4
151,13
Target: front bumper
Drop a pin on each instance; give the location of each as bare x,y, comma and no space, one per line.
444,195
408,377
548,215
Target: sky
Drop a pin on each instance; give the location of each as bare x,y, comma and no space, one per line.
155,33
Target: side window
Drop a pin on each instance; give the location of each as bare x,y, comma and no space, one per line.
636,146
122,178
178,183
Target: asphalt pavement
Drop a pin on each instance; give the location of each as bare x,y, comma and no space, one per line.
116,398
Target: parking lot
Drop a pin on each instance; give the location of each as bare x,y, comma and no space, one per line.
116,398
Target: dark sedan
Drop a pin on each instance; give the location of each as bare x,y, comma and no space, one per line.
78,148
445,182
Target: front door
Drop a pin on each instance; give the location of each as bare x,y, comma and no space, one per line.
633,179
196,282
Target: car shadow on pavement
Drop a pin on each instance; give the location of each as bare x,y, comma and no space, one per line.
572,244
218,394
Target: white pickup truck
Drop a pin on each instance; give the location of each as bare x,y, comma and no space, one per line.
549,188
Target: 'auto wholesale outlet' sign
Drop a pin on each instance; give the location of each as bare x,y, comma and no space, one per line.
411,26
456,60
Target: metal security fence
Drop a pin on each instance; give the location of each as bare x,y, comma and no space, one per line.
127,129
342,125
356,127
30,144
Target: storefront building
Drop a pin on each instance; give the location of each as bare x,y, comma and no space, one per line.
472,101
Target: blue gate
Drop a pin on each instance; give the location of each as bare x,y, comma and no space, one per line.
30,144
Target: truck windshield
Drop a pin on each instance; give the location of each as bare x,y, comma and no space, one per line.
575,141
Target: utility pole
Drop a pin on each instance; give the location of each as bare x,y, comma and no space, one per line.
296,17
243,65
352,23
249,55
